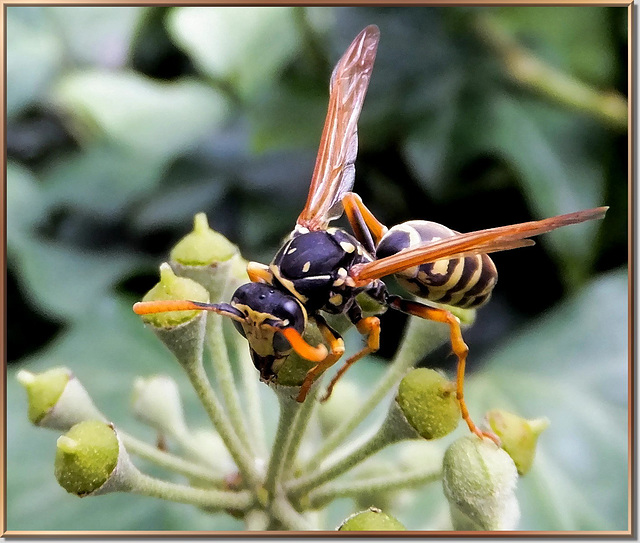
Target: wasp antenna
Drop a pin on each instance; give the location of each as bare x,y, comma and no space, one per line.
162,306
300,346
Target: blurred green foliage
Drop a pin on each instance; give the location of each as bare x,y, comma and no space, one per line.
122,123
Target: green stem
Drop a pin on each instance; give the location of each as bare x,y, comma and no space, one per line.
299,426
299,487
211,499
420,338
395,481
168,461
256,520
221,422
289,408
224,376
555,85
250,384
288,517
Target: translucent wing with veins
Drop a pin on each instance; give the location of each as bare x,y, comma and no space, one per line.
334,171
490,240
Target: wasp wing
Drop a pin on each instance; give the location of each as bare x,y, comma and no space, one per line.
334,171
490,240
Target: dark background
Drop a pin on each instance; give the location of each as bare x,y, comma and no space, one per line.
445,135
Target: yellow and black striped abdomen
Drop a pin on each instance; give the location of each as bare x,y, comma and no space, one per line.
461,282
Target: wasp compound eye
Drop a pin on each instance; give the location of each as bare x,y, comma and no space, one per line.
261,303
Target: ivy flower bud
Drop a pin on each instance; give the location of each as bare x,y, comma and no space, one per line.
294,369
156,402
205,256
91,460
479,481
372,519
182,332
202,246
57,399
172,287
428,401
518,436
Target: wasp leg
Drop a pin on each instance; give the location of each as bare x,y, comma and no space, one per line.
458,345
259,273
369,326
367,229
336,350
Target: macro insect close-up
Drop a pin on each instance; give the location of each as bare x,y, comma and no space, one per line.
324,269
387,362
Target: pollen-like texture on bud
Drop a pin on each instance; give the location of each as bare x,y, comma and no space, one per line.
479,480
86,456
428,401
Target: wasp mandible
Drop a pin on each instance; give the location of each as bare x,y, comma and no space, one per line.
321,269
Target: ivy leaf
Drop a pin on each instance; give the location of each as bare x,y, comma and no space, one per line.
570,366
100,36
245,46
34,56
157,120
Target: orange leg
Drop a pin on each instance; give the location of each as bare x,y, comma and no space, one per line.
458,345
367,229
336,350
369,326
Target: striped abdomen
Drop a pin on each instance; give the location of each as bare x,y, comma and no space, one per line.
461,282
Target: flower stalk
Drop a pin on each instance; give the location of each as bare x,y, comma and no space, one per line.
421,337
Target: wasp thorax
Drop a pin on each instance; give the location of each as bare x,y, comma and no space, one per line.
464,282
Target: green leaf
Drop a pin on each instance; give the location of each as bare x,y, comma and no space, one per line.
101,181
159,120
97,35
246,46
65,281
34,56
553,32
570,366
25,202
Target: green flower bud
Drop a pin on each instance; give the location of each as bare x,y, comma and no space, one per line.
156,402
57,399
479,481
371,520
87,458
172,287
207,258
518,436
203,246
429,403
294,368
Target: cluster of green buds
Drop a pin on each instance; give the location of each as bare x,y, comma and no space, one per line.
282,483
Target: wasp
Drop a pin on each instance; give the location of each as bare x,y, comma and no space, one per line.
321,269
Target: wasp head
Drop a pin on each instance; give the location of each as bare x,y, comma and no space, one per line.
266,309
